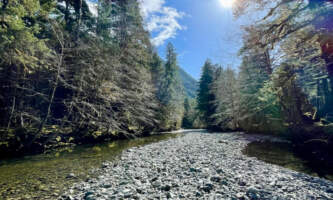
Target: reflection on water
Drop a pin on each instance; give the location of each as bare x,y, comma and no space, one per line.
44,176
282,154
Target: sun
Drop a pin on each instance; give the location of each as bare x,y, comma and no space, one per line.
226,3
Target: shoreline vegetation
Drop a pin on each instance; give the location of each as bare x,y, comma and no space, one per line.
284,84
70,77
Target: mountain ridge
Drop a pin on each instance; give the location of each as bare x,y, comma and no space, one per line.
189,83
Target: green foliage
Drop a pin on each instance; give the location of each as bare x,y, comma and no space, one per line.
18,34
190,119
171,92
226,92
293,101
92,77
304,42
206,97
157,69
285,77
269,102
259,111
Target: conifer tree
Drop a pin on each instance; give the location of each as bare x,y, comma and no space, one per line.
22,54
227,103
65,70
187,120
171,91
285,22
157,70
206,96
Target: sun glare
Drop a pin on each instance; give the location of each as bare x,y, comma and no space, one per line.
227,3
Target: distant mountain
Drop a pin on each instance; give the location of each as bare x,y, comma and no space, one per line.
190,84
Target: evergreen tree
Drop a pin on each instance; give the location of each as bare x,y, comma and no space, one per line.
22,55
171,92
226,92
293,101
206,96
285,26
252,79
66,71
157,70
187,120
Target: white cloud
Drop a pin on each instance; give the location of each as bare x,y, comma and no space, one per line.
151,6
161,21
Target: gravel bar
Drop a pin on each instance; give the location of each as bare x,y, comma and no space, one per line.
198,165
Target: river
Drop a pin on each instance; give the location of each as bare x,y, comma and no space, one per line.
48,176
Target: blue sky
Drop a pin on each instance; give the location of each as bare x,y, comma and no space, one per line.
199,29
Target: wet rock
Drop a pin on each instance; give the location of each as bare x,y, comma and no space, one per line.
71,175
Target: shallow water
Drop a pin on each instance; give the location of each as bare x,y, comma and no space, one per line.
45,176
280,153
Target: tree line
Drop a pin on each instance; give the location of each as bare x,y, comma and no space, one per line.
69,74
284,84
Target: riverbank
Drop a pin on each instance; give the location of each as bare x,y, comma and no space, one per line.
198,165
313,143
15,143
48,176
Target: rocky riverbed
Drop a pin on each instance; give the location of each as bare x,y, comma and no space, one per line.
198,165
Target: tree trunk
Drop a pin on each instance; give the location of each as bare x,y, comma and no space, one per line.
59,64
11,113
79,17
269,69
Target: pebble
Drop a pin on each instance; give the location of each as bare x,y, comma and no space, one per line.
198,166
71,175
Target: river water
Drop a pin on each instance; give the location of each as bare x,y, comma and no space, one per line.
47,176
282,153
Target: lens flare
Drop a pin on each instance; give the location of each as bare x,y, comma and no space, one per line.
227,3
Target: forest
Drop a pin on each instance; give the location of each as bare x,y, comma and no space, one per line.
90,108
284,84
69,75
